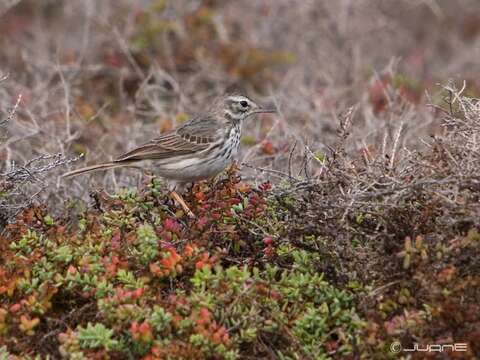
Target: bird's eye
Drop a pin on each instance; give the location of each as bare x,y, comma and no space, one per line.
243,103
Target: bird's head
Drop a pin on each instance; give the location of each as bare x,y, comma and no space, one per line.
238,107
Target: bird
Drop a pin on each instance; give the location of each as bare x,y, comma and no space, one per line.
198,149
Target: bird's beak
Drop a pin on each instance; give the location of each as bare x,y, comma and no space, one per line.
266,110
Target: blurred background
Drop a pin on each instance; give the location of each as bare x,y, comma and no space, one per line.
98,77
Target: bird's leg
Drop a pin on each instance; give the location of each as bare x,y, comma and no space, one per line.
148,177
179,199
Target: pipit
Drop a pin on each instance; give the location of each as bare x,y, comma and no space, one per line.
198,149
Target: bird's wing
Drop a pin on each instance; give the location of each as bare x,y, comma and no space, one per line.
194,136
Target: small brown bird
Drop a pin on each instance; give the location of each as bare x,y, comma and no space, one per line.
198,149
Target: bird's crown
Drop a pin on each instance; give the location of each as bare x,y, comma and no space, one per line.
239,107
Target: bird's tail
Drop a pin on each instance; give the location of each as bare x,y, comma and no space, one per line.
98,167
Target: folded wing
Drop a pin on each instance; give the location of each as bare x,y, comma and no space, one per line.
198,134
